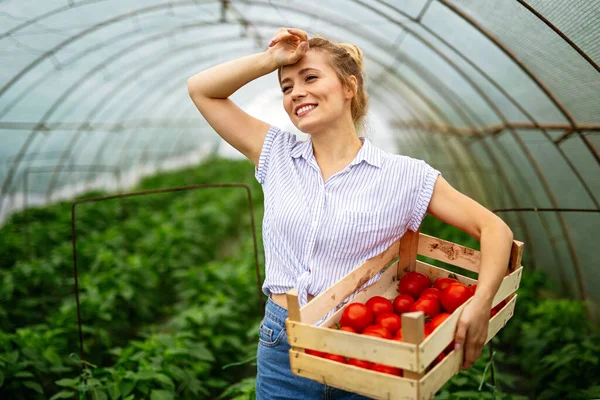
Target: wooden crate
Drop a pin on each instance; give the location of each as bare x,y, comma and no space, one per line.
414,355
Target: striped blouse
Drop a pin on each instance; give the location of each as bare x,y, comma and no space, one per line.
315,232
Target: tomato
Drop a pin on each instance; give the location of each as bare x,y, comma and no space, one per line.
454,295
335,357
428,329
473,288
437,293
348,329
398,336
441,283
438,319
389,321
413,283
380,330
402,303
379,305
430,306
357,316
360,363
386,369
315,353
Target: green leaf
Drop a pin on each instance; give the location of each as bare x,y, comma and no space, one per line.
126,386
51,356
161,395
1,378
67,382
63,394
24,374
34,386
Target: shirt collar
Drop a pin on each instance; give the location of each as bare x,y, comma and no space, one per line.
367,152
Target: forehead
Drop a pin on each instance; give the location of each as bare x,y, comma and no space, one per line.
312,59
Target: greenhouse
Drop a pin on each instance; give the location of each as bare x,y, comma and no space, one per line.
136,238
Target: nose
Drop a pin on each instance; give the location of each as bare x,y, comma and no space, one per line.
298,91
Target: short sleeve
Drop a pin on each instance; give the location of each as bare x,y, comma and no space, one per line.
273,146
423,177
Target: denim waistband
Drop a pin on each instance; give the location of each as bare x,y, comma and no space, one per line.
276,312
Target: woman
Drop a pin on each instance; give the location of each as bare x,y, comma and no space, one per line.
335,200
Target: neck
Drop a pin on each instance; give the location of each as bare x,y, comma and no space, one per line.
336,144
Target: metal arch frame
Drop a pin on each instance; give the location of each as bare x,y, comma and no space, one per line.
527,71
483,95
125,82
492,105
444,2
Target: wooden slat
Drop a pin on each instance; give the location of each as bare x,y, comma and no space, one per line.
450,365
516,255
350,378
409,243
448,252
440,374
501,318
363,347
437,341
386,286
509,285
435,272
413,333
318,307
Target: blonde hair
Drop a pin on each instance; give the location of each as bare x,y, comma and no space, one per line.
346,59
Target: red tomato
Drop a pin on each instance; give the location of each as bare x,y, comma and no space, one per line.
441,283
430,306
473,288
428,329
432,292
402,303
386,369
380,330
314,352
379,305
413,283
335,357
360,363
357,316
389,321
453,296
348,329
438,319
398,336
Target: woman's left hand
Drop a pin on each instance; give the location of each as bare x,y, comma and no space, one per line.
472,330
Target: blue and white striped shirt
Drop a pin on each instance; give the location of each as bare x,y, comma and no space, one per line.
315,232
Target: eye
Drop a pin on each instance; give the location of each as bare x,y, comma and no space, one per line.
311,76
285,89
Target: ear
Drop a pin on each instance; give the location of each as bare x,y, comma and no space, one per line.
352,89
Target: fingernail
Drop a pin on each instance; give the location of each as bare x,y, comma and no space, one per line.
457,346
303,45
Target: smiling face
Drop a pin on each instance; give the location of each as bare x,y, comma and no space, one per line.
313,95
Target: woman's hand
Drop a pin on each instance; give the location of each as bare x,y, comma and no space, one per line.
288,46
472,330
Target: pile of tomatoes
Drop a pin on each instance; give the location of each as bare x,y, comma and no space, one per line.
380,317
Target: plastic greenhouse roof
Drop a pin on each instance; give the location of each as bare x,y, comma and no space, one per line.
503,97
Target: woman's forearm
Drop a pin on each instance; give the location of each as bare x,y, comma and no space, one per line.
221,81
496,243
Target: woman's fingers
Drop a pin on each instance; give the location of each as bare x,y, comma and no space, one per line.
296,35
298,32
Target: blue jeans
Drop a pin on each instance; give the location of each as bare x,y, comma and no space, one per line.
275,380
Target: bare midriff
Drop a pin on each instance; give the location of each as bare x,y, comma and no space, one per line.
281,299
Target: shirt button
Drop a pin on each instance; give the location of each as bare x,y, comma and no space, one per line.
314,224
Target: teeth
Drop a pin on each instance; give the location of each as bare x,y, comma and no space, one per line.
305,108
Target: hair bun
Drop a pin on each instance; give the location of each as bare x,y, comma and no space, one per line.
355,52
